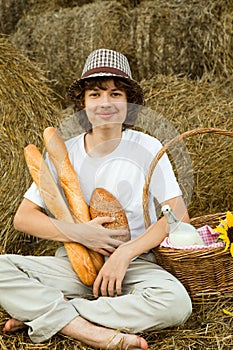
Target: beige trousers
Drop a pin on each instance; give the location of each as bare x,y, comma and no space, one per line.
33,290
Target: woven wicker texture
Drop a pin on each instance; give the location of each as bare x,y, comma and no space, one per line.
206,272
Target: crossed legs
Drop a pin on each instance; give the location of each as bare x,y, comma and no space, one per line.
90,334
31,280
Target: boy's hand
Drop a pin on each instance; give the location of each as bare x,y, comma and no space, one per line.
93,235
110,277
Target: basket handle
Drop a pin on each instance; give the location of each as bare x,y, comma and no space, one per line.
163,150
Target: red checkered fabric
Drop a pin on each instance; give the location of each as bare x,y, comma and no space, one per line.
104,62
208,235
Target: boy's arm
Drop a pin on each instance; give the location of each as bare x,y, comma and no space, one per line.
109,277
156,232
31,219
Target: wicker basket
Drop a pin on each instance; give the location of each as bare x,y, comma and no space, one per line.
205,272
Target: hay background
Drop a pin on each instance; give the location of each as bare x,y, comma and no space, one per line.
27,107
190,104
181,51
158,37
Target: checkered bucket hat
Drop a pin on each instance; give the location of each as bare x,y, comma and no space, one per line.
104,63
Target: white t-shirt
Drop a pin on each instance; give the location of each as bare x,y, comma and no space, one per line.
121,172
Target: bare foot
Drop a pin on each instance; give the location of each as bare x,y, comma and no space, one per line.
100,337
13,325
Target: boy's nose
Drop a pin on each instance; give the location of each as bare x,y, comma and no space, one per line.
105,99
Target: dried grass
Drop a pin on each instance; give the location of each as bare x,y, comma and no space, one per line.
183,37
27,107
158,37
61,40
13,10
187,105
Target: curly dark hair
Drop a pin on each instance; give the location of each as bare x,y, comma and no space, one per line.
134,93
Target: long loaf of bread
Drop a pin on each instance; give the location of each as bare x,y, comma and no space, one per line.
77,253
69,182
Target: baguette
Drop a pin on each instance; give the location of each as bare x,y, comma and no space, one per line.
69,182
77,253
103,203
67,176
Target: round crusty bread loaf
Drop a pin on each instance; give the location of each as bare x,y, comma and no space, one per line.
103,203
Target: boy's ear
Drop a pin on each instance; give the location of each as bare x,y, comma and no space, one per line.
82,104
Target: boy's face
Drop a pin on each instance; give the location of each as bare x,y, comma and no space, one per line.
106,107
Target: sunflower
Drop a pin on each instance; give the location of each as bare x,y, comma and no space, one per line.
225,228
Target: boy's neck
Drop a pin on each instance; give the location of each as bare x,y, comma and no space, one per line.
99,143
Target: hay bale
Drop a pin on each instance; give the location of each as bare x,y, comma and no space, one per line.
182,37
159,37
60,41
38,7
10,13
187,105
27,107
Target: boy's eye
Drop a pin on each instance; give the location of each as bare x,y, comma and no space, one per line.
94,94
